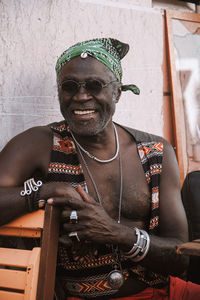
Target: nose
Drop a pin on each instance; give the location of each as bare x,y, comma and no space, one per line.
82,94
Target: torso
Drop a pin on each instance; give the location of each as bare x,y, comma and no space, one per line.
136,199
135,194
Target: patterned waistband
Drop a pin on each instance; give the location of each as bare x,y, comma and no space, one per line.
94,286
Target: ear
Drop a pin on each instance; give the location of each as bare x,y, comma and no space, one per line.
118,93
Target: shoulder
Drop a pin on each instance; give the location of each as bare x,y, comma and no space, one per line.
25,154
144,137
32,140
35,134
162,145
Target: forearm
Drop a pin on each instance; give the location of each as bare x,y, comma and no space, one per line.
12,205
161,257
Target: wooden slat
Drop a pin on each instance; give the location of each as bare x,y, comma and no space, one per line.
11,296
14,257
22,232
32,274
12,279
29,225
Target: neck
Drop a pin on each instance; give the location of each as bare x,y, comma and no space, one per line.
105,139
105,154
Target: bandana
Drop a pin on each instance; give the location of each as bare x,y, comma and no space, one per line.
107,50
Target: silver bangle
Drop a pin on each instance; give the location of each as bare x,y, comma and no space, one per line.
140,248
145,250
135,246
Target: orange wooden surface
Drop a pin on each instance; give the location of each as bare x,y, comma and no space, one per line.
4,295
23,280
14,257
12,279
29,225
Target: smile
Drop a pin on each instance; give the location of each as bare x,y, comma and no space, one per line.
84,112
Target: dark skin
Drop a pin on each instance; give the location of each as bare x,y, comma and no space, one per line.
28,155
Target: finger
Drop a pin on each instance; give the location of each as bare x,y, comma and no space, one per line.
68,227
86,197
65,240
68,202
66,213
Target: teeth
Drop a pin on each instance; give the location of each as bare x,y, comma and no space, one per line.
83,112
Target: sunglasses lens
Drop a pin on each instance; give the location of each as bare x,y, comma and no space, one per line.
93,86
70,87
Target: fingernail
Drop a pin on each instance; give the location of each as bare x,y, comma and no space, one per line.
50,201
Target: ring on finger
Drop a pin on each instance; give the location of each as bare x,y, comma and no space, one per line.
73,217
73,235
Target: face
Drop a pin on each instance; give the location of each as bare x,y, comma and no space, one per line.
88,113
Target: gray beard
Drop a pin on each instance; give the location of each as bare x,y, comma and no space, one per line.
88,130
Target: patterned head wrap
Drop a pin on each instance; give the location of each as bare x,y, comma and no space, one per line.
108,51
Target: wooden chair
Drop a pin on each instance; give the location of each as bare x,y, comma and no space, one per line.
30,274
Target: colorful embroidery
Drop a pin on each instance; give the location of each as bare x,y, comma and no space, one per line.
151,154
93,286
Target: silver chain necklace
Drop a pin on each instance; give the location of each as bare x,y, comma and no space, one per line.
95,186
94,157
115,277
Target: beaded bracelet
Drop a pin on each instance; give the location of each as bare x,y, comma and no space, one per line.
31,193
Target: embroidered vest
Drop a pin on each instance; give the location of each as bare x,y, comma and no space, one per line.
83,270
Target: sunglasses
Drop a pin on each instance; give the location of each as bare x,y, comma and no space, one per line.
92,86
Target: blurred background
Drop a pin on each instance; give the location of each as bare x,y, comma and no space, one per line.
34,33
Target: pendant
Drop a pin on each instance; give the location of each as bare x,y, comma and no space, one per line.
115,279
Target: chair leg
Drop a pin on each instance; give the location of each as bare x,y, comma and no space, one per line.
47,271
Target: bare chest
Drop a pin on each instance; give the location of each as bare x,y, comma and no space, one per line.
109,182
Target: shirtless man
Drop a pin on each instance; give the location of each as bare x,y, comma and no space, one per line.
108,181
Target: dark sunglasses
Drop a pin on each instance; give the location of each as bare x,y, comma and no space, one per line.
92,86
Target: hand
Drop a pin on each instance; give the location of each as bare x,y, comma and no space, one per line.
94,224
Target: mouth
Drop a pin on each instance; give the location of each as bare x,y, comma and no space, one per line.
83,112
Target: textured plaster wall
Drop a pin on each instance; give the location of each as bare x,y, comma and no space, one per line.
34,33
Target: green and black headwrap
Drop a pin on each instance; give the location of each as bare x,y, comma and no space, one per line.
107,50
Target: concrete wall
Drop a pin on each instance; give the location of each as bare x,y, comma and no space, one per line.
34,33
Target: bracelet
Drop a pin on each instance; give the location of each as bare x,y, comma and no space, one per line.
135,245
140,248
145,249
31,193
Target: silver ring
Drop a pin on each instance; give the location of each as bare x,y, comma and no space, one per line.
74,234
73,217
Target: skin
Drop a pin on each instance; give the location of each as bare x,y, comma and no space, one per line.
90,119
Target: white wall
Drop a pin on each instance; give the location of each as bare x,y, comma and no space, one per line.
34,33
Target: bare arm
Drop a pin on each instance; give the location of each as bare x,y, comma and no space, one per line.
21,159
24,157
173,223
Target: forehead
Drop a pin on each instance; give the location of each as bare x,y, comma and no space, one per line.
82,68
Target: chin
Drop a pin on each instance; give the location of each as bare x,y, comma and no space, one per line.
87,129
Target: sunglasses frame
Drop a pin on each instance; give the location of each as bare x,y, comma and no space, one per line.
83,83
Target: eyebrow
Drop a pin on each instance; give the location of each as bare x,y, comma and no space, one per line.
89,78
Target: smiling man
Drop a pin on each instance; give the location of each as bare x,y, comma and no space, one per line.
118,188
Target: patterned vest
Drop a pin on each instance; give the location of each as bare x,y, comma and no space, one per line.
83,270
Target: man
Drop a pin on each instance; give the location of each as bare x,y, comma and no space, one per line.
118,188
